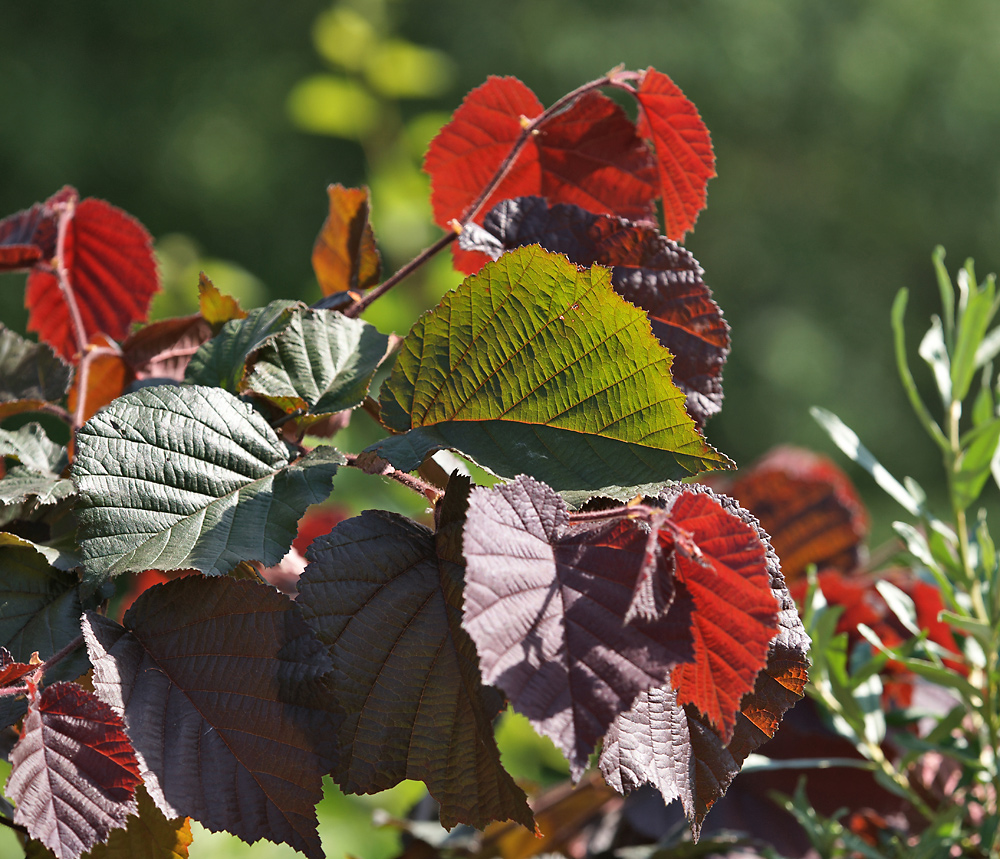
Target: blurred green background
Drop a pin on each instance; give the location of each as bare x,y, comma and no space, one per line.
851,138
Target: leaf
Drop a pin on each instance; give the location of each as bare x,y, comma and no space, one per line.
110,274
588,154
246,758
735,615
344,256
11,671
74,772
536,366
147,834
322,359
676,750
30,371
545,604
684,157
216,308
808,506
41,613
189,477
221,361
105,378
26,238
384,594
163,349
37,478
648,270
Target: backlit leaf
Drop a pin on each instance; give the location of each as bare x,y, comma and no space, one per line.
546,602
385,595
217,309
647,269
322,358
221,686
588,154
110,274
12,671
536,366
189,477
30,371
344,256
74,772
222,360
735,615
809,508
163,349
675,749
684,157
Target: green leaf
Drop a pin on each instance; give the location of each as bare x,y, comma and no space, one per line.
40,609
189,477
41,462
933,351
322,358
221,361
973,321
972,469
536,366
30,371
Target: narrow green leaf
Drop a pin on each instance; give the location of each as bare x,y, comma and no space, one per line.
934,352
899,341
322,358
984,407
222,360
972,468
972,327
977,628
189,477
947,292
534,365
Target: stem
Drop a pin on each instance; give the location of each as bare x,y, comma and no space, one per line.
372,464
62,273
88,354
530,127
10,824
60,655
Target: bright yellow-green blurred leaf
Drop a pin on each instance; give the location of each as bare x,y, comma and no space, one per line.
399,69
343,37
327,104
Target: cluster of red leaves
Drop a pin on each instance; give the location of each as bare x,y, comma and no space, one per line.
589,154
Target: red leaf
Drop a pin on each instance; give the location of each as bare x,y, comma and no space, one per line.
10,670
684,157
75,773
106,378
808,506
163,349
588,154
110,270
735,615
344,256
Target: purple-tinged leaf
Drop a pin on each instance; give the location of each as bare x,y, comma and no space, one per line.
222,688
385,595
676,750
545,603
74,772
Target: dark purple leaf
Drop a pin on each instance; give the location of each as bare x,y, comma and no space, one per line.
385,595
222,687
647,269
546,602
74,772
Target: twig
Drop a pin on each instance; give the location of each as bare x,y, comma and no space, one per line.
370,463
